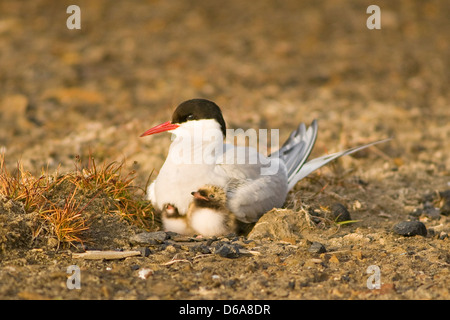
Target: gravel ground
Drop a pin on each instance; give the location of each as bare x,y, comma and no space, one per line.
268,64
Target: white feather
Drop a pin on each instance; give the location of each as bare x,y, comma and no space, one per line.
208,222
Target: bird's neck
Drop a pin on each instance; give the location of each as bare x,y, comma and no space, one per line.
197,142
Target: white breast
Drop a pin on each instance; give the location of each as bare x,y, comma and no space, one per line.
208,222
177,225
189,165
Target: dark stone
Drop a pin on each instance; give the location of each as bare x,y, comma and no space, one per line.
445,194
340,212
430,211
230,283
201,248
445,209
227,250
416,212
410,228
145,251
151,238
171,234
317,247
291,284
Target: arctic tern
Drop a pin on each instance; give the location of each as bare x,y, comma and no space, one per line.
198,156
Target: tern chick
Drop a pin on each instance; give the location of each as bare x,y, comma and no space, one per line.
208,213
174,221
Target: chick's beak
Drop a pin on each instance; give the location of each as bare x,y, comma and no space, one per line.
197,195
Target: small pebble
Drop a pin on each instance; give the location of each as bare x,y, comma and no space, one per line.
445,194
145,273
443,235
151,238
145,251
135,267
317,247
201,248
445,208
291,284
227,250
430,211
171,249
410,228
334,259
416,212
340,212
230,283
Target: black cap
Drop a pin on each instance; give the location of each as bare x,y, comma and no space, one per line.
198,109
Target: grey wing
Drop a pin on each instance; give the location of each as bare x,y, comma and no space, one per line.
254,189
250,199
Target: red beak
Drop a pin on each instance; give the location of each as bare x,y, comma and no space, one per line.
197,195
166,126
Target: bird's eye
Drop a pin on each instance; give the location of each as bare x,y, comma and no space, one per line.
190,117
211,196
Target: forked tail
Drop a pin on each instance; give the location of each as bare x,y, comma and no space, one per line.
297,148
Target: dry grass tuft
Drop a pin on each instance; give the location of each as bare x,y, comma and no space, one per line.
109,179
23,186
65,220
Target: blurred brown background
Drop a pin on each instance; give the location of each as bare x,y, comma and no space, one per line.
268,64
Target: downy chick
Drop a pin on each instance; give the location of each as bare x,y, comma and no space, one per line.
208,213
174,221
